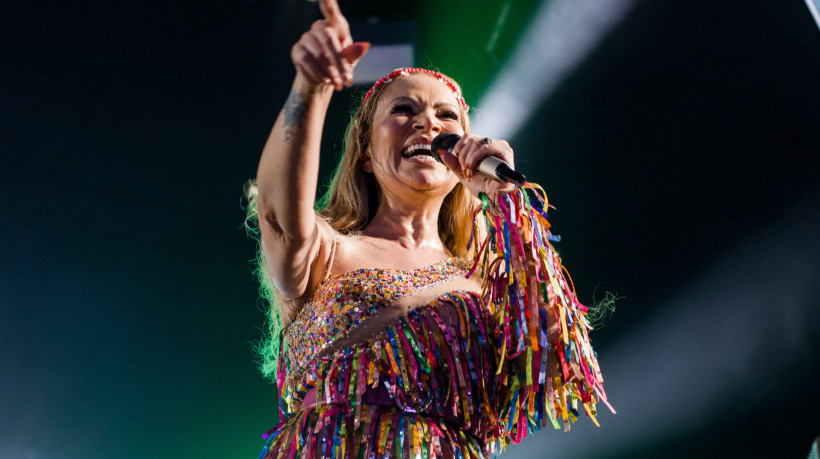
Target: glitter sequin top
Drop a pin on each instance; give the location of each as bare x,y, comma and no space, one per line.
459,375
344,302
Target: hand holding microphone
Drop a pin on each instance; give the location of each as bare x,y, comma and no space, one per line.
489,166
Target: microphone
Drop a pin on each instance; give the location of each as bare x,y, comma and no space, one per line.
490,166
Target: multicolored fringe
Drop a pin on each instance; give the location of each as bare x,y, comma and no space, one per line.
384,433
547,366
429,371
464,375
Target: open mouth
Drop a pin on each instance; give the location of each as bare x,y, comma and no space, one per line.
418,149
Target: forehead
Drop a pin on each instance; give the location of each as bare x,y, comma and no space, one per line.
419,86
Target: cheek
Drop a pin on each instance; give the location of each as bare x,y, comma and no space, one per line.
385,132
455,127
386,139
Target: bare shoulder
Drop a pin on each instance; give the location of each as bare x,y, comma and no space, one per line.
328,245
351,253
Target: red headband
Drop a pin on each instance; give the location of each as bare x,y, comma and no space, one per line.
408,70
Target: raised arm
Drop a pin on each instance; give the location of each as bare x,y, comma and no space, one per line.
324,58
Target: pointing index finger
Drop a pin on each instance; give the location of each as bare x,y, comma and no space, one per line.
336,20
330,10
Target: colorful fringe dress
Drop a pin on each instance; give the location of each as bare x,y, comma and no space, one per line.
393,363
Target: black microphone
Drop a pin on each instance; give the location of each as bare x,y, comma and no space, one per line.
490,166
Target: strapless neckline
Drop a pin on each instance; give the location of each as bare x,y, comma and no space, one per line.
452,261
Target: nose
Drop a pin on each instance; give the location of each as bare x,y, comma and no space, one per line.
427,121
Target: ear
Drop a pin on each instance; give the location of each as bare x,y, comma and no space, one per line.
367,165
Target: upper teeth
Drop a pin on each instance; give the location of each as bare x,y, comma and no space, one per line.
418,146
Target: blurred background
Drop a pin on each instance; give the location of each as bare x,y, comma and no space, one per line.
676,140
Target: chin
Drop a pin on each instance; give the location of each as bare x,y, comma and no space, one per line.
432,182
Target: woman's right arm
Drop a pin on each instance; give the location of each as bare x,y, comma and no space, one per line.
288,170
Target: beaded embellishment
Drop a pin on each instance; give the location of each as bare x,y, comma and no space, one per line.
408,70
345,301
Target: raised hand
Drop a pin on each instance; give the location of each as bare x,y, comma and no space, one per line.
327,54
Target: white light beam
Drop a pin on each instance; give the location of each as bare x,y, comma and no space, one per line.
559,37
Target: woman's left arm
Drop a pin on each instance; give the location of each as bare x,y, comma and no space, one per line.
541,327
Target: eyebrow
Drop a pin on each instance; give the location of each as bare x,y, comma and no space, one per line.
415,102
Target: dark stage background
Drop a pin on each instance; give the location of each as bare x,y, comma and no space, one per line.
680,154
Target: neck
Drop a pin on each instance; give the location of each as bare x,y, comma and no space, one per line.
411,226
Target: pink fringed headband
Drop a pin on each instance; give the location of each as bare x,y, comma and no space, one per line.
408,70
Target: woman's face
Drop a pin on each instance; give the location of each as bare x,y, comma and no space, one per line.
410,113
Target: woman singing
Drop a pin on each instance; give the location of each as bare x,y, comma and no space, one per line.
421,310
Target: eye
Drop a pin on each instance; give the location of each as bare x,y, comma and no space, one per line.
401,109
448,114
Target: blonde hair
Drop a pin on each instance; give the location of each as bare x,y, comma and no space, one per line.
349,204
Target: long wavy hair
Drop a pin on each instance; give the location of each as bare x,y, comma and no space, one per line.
349,204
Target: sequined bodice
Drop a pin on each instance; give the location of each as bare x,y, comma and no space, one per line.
345,301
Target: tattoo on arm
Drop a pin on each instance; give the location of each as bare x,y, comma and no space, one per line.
295,109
